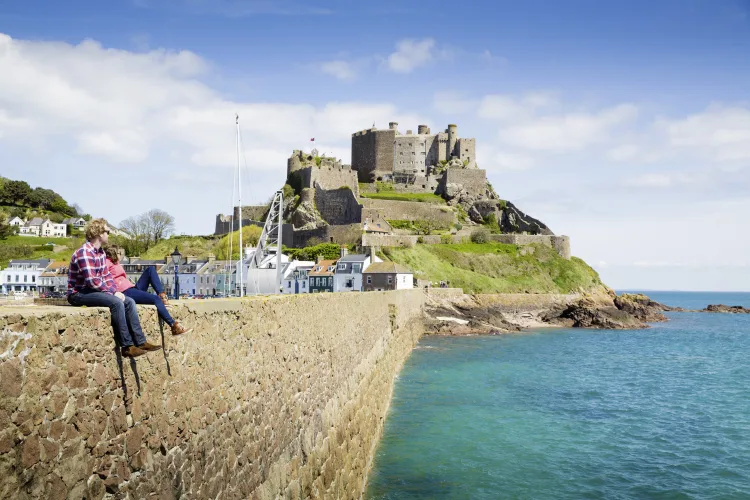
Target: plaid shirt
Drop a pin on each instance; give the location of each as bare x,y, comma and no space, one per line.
88,269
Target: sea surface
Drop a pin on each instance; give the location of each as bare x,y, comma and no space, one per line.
573,414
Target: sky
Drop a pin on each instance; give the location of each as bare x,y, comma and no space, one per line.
623,124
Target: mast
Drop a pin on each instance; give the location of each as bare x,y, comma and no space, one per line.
239,200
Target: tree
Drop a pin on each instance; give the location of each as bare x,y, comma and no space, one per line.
480,235
16,192
137,228
43,198
427,226
159,223
7,230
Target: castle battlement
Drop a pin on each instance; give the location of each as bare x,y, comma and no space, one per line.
379,154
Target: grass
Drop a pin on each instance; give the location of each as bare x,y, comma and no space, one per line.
397,196
32,248
497,268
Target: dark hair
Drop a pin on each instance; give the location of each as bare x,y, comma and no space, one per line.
112,252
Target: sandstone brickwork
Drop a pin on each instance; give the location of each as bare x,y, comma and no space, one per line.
279,397
410,210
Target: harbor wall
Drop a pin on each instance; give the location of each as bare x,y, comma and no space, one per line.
273,397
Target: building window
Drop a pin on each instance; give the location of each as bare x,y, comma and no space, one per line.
342,267
369,280
330,281
33,279
390,280
357,268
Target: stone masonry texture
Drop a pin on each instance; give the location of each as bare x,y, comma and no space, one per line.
410,210
268,397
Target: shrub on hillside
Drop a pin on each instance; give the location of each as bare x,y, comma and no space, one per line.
480,235
446,239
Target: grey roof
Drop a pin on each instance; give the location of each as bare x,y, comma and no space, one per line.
36,221
45,262
357,257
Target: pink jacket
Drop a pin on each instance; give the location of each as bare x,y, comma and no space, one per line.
118,275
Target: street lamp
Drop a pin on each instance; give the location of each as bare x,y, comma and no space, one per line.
176,259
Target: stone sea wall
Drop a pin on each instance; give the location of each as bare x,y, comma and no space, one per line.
277,397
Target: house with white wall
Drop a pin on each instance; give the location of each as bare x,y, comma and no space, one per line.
49,229
22,275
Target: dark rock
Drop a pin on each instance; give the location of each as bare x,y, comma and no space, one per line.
721,308
589,314
513,220
642,307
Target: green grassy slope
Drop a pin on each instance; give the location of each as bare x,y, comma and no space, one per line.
28,247
497,268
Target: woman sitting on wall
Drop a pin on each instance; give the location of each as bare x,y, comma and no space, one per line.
139,292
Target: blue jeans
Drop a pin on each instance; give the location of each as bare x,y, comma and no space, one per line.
140,294
125,322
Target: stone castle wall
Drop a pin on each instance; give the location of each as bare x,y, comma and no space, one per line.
471,180
561,244
338,206
342,234
410,210
372,153
277,397
398,240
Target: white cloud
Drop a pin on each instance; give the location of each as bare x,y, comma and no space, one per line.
568,132
722,133
411,54
99,108
624,153
506,108
340,69
649,180
510,161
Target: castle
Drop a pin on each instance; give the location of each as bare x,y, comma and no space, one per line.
411,159
329,201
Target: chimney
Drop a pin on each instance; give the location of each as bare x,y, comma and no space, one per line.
344,251
318,259
211,257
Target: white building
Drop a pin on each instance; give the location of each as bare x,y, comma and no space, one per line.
16,221
296,278
348,277
54,278
50,229
78,223
22,275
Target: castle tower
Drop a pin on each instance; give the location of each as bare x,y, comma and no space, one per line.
452,137
393,126
423,129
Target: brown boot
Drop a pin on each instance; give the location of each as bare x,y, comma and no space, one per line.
163,297
132,351
148,346
178,329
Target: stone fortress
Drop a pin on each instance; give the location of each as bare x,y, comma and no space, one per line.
336,202
411,160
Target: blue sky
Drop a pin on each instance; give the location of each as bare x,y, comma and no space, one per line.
625,125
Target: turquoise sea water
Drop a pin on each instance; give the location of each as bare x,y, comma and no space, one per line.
571,413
